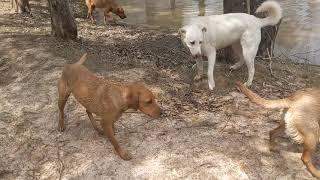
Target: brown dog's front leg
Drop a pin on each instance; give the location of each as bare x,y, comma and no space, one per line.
64,93
94,123
108,130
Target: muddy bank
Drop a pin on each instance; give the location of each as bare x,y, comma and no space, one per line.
203,134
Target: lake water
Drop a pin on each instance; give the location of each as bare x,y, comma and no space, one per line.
298,37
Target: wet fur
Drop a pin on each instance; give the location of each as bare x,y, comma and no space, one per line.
104,98
301,119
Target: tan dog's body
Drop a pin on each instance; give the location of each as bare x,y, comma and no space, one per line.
103,98
107,5
301,120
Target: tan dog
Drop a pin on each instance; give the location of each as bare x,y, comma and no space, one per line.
104,98
107,5
301,120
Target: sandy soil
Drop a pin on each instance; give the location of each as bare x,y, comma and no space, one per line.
203,134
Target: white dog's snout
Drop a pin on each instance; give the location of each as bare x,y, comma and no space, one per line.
195,52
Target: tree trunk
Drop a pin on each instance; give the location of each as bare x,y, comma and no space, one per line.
21,6
268,34
172,4
63,24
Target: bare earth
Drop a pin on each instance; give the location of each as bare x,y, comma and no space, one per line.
203,135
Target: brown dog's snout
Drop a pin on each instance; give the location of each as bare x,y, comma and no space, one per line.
123,16
161,112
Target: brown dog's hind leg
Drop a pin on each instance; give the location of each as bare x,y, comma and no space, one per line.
90,10
275,133
94,123
108,130
28,6
309,146
64,93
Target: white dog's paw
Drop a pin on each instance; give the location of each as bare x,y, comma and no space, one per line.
211,85
247,84
197,77
235,67
194,66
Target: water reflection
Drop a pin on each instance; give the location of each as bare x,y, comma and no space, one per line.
299,31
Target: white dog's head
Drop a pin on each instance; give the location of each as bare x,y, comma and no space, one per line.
192,37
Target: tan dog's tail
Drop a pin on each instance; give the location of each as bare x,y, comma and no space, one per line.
82,59
278,103
274,13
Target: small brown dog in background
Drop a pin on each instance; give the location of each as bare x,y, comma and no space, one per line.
108,6
301,120
103,98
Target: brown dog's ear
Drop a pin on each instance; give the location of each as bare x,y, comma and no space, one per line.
131,97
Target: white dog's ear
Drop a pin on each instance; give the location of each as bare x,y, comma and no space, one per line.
182,31
204,29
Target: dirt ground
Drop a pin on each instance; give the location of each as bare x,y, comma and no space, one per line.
203,134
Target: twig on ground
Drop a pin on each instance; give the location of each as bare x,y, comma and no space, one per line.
270,63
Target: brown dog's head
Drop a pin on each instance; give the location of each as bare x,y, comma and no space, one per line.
139,97
118,10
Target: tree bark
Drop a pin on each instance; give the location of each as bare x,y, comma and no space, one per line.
268,34
63,24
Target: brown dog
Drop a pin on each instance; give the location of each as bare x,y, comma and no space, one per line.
104,98
107,5
301,120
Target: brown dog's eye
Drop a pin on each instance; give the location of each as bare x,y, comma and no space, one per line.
192,42
149,101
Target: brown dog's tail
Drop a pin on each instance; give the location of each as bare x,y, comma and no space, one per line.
278,103
82,59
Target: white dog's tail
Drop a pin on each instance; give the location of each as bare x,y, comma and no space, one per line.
274,13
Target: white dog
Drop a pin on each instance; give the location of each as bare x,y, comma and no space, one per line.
204,35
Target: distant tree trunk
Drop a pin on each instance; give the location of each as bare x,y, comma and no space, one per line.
172,4
63,24
268,34
202,8
21,6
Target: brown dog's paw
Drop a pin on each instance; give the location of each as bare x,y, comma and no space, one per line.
272,148
61,128
126,156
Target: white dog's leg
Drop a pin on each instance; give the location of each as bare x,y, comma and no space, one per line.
236,47
250,44
199,64
211,62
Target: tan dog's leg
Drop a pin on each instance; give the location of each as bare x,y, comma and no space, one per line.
108,130
94,123
64,93
309,146
275,133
